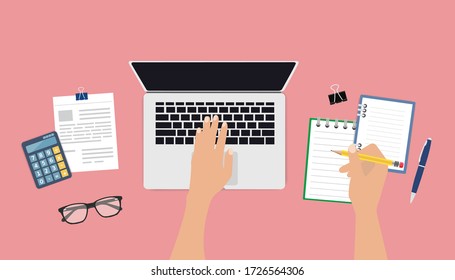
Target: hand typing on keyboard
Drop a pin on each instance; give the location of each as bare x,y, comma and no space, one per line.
211,169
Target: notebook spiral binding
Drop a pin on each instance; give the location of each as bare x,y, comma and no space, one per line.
362,110
327,123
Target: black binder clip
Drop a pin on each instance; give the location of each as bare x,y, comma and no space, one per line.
336,96
81,95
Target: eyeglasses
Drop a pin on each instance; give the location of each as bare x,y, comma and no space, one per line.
77,213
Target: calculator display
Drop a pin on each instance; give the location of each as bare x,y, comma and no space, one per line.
46,160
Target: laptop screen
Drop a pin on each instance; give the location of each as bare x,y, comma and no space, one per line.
213,76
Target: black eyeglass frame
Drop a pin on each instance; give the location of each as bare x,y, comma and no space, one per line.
91,205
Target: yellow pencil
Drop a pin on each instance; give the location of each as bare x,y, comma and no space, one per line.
373,159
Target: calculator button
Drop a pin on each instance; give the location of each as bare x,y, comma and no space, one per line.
48,152
56,176
61,165
41,181
41,155
64,173
54,168
32,157
35,165
43,163
49,178
56,150
51,160
58,157
46,171
38,173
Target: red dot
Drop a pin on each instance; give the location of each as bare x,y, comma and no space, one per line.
401,165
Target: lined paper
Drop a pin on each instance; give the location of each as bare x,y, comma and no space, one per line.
386,123
323,180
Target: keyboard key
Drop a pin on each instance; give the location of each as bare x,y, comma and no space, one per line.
159,103
41,155
202,110
191,109
170,109
185,117
268,133
56,175
268,110
219,103
181,132
49,178
255,133
35,166
163,125
181,109
244,110
231,140
32,157
189,103
243,140
224,109
56,150
177,125
231,124
241,125
48,152
46,171
159,109
43,163
249,103
269,117
199,103
38,173
160,117
189,140
179,140
227,117
248,117
258,117
174,117
58,157
165,133
255,110
256,140
64,173
191,132
266,125
198,125
51,160
235,132
41,181
259,103
169,140
196,117
179,103
209,103
238,117
169,103
270,103
205,115
229,103
234,110
213,110
251,125
159,141
245,133
270,141
239,103
53,168
61,165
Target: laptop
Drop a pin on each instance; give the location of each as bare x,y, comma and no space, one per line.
247,95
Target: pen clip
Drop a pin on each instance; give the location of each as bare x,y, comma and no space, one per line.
423,148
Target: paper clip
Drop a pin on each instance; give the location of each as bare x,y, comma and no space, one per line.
81,95
337,96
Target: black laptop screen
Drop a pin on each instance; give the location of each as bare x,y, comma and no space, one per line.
213,76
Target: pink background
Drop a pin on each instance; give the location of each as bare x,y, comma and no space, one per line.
398,50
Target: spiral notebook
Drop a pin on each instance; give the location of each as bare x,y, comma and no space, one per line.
323,180
388,124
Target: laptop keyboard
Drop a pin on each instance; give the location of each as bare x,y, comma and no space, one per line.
250,123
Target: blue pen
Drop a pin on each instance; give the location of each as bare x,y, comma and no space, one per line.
422,162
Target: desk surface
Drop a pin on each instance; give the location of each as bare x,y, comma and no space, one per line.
391,50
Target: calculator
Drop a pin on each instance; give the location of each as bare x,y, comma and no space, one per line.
46,160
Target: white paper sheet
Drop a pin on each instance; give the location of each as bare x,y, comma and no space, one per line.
87,131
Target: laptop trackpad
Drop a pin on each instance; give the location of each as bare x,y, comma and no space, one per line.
234,177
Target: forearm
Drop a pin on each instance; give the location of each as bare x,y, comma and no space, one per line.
190,239
369,243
